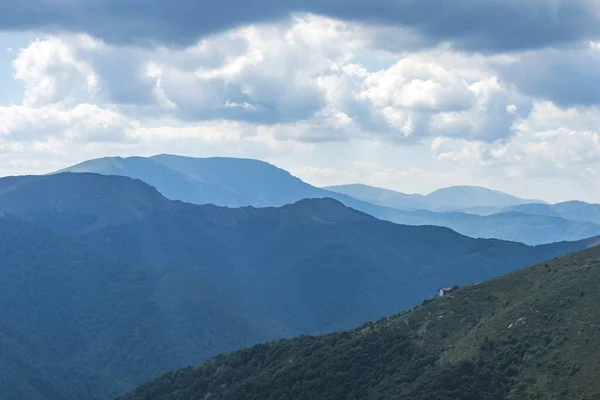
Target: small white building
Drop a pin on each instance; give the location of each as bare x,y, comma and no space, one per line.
443,291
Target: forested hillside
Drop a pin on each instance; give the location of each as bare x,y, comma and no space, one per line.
314,266
77,324
107,283
527,335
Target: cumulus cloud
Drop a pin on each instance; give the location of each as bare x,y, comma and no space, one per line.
493,25
51,71
560,152
83,123
319,86
420,97
312,71
566,76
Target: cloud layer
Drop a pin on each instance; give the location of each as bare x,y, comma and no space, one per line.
498,93
491,25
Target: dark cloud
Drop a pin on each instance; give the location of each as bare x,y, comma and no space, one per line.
568,77
480,25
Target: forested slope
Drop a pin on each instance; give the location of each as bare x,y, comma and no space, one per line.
527,335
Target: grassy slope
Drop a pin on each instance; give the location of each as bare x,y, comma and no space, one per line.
456,347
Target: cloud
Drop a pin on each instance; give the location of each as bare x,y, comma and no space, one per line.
89,129
420,97
560,152
51,71
566,76
260,74
83,123
489,26
355,105
312,71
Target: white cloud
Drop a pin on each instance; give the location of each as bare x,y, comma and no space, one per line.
52,71
540,154
308,70
350,104
419,84
83,123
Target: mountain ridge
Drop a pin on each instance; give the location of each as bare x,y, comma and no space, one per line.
452,198
160,284
115,313
520,336
236,183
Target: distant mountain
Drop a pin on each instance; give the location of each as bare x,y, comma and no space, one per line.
236,182
527,335
231,182
572,210
461,197
313,266
454,198
381,197
514,226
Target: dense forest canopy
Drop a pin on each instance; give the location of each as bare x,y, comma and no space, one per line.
527,335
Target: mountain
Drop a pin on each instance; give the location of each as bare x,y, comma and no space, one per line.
236,182
381,197
75,323
79,201
313,266
571,210
107,283
526,335
514,226
231,182
461,197
454,198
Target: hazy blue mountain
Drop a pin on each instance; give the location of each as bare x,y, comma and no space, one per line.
241,182
461,197
454,198
341,265
514,226
380,196
232,182
572,210
107,282
79,201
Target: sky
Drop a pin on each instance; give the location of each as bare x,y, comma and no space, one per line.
411,95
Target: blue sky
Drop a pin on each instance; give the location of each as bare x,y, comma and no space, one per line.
405,94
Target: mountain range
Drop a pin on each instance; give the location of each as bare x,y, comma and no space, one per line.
455,198
526,335
108,283
235,182
221,181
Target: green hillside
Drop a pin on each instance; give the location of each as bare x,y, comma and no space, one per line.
314,266
77,324
107,284
527,335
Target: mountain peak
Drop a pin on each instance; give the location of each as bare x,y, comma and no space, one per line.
95,199
326,209
223,181
453,198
